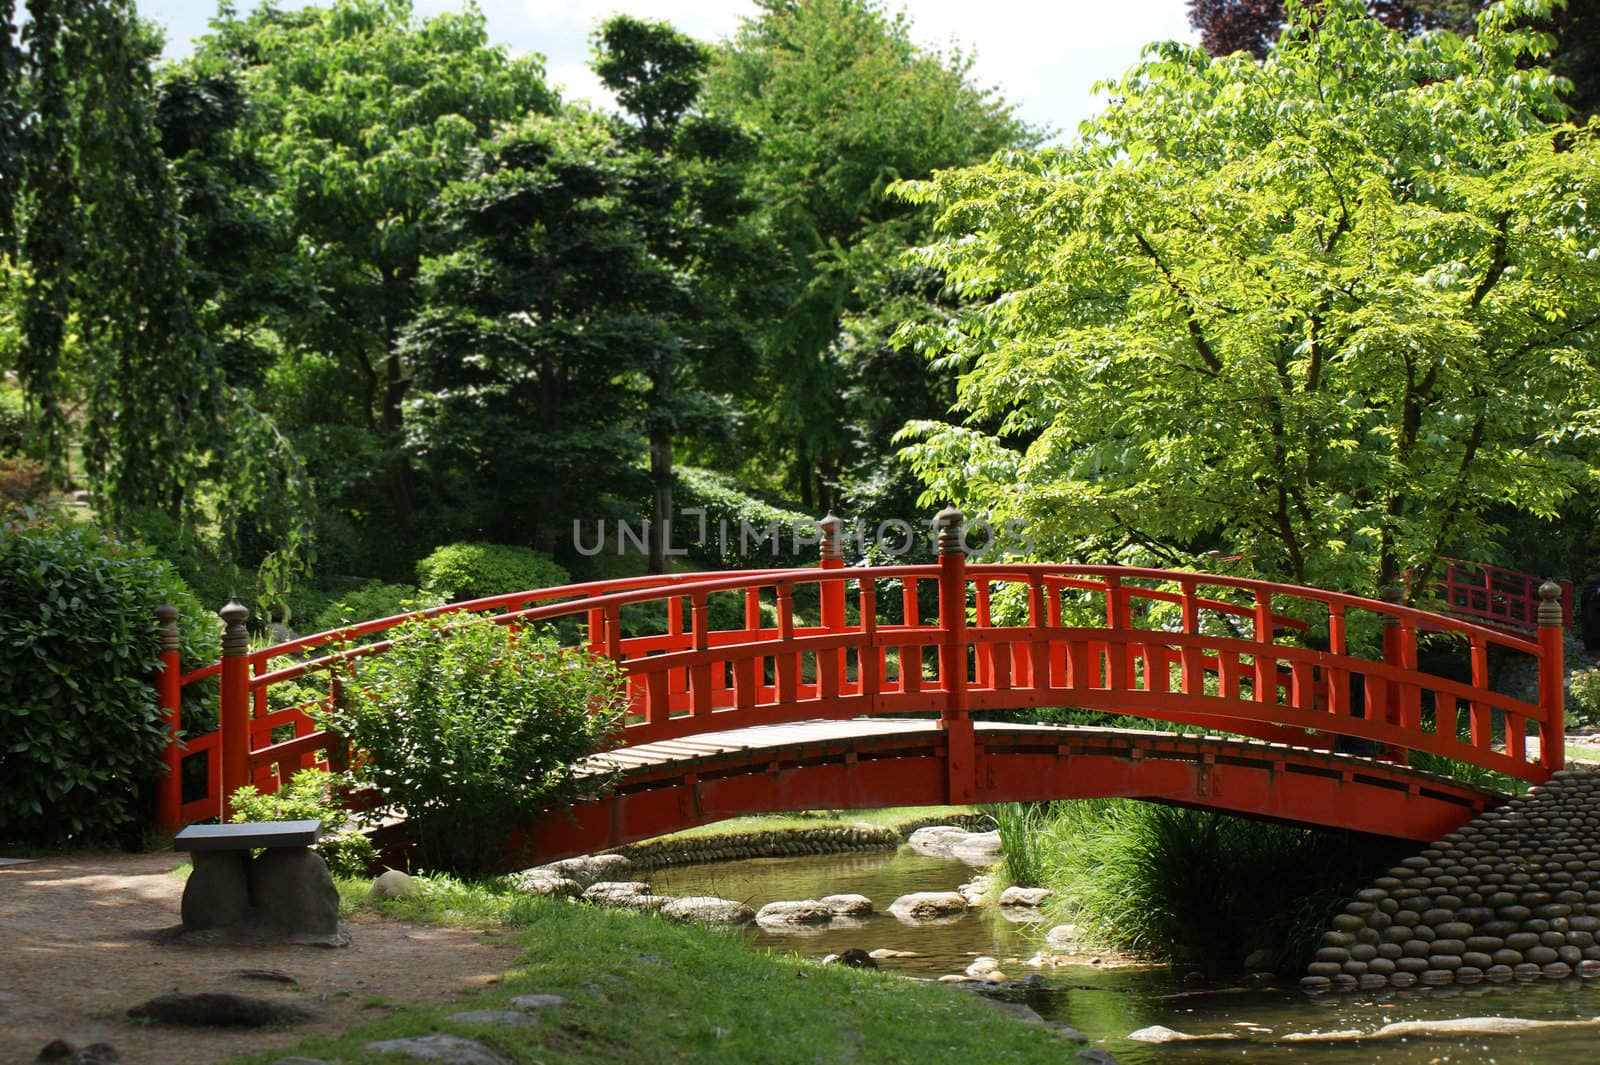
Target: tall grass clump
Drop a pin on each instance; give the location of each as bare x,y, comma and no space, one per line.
1197,887
1021,826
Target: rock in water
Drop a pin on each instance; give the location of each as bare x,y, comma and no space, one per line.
1024,896
857,958
848,905
928,905
212,1010
802,911
708,910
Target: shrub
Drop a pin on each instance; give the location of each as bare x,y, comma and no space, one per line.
83,735
462,571
472,733
374,600
309,797
1583,697
729,506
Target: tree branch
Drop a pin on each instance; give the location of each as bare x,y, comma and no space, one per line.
1201,345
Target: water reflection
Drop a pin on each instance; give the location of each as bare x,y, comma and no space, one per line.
1109,1003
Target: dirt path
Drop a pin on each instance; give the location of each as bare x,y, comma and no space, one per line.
77,949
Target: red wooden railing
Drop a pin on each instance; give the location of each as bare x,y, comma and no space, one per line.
1218,652
1494,596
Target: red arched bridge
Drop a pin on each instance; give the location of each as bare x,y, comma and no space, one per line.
852,688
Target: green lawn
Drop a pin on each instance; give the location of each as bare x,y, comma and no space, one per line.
642,989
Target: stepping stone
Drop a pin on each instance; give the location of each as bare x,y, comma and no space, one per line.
508,1018
537,1002
445,1049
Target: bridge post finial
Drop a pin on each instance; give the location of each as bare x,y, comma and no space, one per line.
949,522
832,529
1549,604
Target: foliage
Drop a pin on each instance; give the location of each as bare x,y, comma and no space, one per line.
1583,697
526,405
845,103
458,572
472,733
1324,311
363,114
374,600
309,796
1021,827
83,734
1199,887
728,510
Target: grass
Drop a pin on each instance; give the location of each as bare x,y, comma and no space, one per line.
640,988
1192,886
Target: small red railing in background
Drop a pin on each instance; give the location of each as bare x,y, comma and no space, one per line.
1494,596
1222,653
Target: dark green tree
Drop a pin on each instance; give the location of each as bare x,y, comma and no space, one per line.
703,262
363,115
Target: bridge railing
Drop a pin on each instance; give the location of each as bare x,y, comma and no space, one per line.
1495,596
1287,664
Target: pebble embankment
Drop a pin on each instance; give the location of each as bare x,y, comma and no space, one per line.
1515,895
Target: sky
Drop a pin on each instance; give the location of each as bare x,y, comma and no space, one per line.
1042,56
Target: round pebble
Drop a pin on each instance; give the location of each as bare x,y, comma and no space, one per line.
1402,980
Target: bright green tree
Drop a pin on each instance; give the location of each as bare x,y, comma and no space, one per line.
1326,310
844,103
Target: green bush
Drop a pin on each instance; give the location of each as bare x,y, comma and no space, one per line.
83,736
729,507
1583,697
457,572
472,734
372,601
309,797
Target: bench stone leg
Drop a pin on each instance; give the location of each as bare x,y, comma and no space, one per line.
218,892
292,894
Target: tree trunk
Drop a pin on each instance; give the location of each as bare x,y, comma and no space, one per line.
661,485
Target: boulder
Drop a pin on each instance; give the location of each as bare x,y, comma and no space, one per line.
708,909
537,1002
503,1018
1024,896
1062,935
978,848
292,894
847,905
394,885
612,892
928,906
803,911
547,882
936,841
590,869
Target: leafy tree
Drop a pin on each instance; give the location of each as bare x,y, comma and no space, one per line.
525,407
363,115
844,103
701,259
1327,309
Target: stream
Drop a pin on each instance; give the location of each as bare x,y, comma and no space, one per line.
1107,1004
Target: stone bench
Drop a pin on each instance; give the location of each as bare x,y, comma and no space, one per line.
282,895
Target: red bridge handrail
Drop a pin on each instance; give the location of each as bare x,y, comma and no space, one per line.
1499,597
1234,654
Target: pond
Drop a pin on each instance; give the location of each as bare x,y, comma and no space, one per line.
1108,1003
